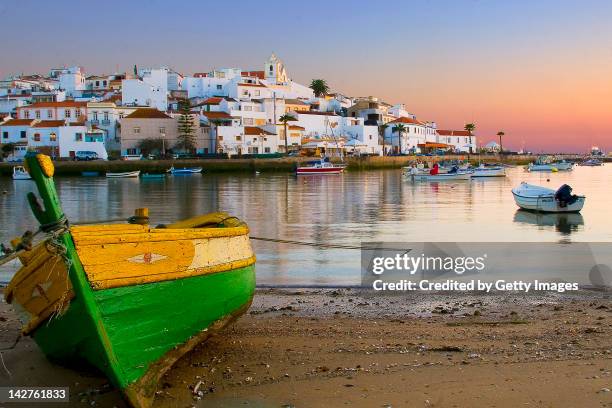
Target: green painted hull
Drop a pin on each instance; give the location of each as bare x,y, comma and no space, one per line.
143,324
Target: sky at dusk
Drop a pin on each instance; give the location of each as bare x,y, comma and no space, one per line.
541,71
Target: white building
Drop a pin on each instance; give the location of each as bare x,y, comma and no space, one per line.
460,140
72,80
151,90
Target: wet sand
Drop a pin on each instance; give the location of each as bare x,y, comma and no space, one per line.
323,348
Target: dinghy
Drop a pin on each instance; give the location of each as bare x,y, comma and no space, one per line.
323,166
153,176
20,173
537,198
127,174
489,171
129,299
184,170
434,175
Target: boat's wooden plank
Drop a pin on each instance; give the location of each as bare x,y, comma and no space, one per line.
153,235
130,263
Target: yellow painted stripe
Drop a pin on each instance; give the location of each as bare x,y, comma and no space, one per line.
154,235
164,276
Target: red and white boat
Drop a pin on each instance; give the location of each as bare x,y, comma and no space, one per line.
320,167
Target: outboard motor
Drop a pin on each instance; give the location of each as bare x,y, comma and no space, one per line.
453,170
564,196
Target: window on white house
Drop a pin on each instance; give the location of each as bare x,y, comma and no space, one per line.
248,108
137,130
67,113
247,121
52,137
266,149
78,137
162,130
105,115
26,114
257,92
77,113
121,115
37,114
5,135
238,138
37,137
49,114
22,134
219,87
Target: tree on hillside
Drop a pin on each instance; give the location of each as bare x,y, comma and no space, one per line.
284,119
135,70
500,134
150,146
381,130
186,129
320,87
399,129
470,127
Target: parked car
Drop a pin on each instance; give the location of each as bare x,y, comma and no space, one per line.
85,155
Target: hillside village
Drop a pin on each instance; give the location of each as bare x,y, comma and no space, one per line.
230,111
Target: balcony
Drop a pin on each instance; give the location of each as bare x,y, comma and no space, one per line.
105,122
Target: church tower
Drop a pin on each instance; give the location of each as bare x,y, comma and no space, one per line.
275,72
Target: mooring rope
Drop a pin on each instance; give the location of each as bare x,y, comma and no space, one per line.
329,246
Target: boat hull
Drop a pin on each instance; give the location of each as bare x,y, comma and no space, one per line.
128,174
546,203
148,327
301,171
193,170
441,177
493,172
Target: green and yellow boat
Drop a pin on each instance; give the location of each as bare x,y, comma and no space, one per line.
128,298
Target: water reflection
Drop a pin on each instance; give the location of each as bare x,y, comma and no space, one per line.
345,209
565,224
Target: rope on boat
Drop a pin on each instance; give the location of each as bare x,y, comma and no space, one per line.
327,246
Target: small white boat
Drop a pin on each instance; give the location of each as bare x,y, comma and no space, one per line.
591,163
20,173
543,164
322,166
126,174
563,165
185,170
460,175
537,198
489,171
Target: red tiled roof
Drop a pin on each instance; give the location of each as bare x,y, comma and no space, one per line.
200,75
258,74
295,127
217,115
255,131
215,100
18,122
65,104
147,113
433,145
453,133
49,123
404,119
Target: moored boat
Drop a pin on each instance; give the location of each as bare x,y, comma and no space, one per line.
538,198
591,163
489,171
20,173
129,299
184,170
460,175
90,173
153,176
319,167
126,174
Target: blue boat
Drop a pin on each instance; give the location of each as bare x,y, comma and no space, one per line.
151,176
184,170
90,173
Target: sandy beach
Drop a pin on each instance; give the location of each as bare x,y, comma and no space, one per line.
345,347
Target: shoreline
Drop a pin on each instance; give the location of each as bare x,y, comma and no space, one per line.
236,165
361,349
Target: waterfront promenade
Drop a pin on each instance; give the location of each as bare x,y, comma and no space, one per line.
285,164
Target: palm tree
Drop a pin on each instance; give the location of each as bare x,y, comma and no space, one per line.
284,119
399,129
381,130
470,127
320,87
500,134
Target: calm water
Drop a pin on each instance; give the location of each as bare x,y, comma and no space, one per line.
343,209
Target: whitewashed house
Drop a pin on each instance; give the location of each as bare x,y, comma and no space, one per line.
151,90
